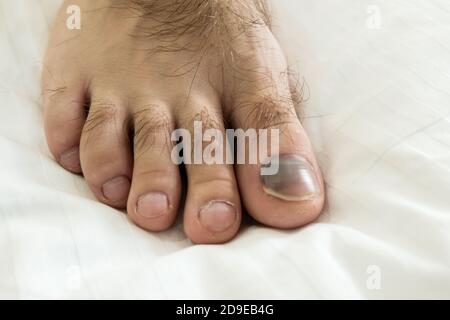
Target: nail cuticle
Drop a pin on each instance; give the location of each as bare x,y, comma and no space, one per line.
212,202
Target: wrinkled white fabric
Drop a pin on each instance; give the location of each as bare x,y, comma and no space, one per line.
378,116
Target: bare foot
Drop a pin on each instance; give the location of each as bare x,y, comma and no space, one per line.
145,68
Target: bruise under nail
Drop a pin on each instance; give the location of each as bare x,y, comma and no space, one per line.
296,179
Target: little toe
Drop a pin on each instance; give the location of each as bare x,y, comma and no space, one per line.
64,117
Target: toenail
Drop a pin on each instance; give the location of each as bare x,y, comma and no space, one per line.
217,216
152,205
70,159
295,180
116,189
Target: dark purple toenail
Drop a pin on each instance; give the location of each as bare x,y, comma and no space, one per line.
295,180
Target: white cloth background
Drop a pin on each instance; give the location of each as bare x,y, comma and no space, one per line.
378,116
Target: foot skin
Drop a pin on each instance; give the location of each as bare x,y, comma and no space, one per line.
116,88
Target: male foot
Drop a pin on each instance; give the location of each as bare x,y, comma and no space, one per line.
145,68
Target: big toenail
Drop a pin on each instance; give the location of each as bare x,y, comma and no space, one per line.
295,180
116,189
152,205
217,216
70,159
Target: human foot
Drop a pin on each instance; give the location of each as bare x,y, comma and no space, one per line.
115,89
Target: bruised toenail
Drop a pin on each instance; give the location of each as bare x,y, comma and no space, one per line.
116,189
70,159
217,216
152,205
295,179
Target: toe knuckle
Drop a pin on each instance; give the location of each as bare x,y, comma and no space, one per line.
151,128
210,118
98,171
52,94
264,113
222,182
100,113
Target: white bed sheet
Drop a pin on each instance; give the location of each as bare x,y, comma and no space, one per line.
378,115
